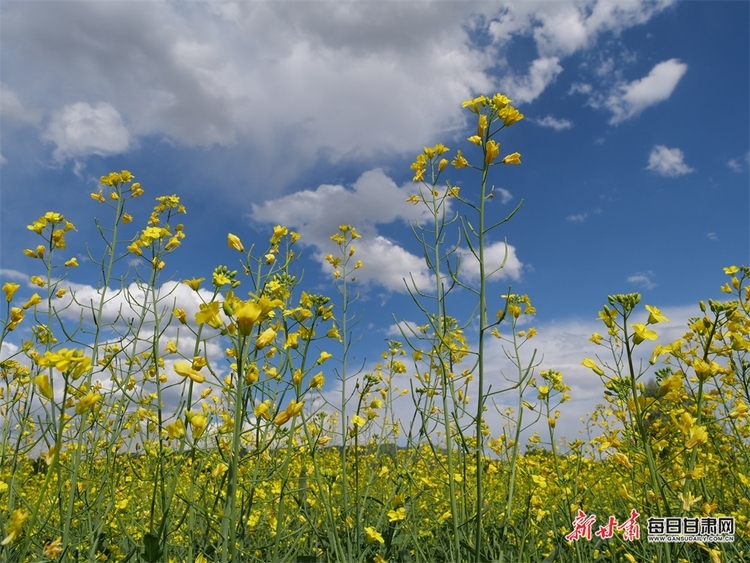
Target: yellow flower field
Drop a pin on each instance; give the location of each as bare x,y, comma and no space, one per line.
120,443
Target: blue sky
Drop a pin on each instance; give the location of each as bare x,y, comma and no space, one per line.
635,145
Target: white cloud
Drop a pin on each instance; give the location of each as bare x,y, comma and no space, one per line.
505,195
81,129
740,164
281,79
554,123
527,88
577,218
668,162
712,236
495,255
628,100
373,199
400,328
13,109
563,28
580,88
643,279
8,274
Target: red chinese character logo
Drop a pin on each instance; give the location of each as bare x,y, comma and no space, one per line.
581,526
632,530
608,530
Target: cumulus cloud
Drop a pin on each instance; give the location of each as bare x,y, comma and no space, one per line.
278,78
81,129
554,123
541,74
563,28
668,162
374,199
281,79
630,99
500,260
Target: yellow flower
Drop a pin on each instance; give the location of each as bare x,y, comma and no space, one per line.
86,402
696,435
278,232
219,470
591,364
52,549
475,104
16,316
481,126
358,421
97,196
181,315
176,430
235,242
323,357
622,459
642,332
596,338
17,519
261,410
44,386
372,535
514,158
286,415
540,481
499,101
459,161
492,149
185,369
194,283
265,338
198,422
655,316
171,347
247,315
397,515
509,115
10,289
72,263
209,314
317,381
33,300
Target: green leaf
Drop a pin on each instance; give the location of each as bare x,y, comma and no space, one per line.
152,550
